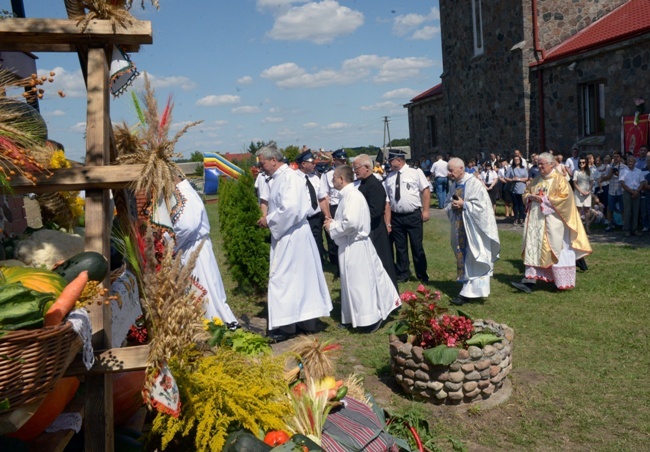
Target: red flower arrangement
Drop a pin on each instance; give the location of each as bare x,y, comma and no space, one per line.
428,325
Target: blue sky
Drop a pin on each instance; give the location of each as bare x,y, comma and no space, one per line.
320,73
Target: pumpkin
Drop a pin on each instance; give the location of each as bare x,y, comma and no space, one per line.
37,279
127,395
49,409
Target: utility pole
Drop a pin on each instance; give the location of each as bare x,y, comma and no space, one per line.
386,132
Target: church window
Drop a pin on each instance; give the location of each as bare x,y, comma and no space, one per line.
433,133
593,108
477,25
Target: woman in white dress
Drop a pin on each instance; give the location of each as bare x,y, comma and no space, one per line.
582,182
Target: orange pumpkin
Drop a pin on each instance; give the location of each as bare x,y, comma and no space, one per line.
53,405
127,395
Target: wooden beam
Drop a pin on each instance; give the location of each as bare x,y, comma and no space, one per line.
82,178
99,388
54,48
48,32
111,361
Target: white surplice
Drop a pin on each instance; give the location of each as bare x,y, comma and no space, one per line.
367,293
191,226
297,287
474,236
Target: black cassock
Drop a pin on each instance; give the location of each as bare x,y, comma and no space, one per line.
375,194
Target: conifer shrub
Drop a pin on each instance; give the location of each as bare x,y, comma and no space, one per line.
246,245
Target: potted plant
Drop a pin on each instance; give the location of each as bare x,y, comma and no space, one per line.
447,358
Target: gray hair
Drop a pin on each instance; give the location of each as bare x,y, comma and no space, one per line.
363,160
456,163
546,156
270,151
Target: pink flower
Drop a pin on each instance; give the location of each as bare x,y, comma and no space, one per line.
451,342
422,289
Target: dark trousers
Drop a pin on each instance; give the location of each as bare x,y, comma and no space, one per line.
407,228
518,206
316,226
332,249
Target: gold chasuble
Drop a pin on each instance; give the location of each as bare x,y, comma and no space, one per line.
553,223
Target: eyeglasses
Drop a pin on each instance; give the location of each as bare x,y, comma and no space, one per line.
356,168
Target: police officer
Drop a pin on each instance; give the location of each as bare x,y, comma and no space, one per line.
409,196
329,200
306,168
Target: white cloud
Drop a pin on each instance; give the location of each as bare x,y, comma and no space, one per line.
318,22
272,119
71,83
178,81
245,109
55,113
274,110
426,33
79,127
379,106
220,122
285,132
337,126
410,24
310,125
402,68
213,100
245,80
290,75
262,4
401,93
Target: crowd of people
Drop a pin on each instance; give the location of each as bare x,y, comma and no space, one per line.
366,219
612,189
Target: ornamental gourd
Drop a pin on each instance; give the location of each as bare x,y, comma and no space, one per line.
37,279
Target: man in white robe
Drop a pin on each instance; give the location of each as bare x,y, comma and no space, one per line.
191,226
474,233
297,293
367,293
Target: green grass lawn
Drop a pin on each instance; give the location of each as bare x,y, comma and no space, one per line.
581,362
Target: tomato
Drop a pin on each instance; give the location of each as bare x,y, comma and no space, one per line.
299,389
276,438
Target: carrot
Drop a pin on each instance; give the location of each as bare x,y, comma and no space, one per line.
339,383
64,304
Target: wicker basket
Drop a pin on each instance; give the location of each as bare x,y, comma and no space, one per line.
32,361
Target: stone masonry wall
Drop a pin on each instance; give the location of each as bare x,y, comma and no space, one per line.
485,96
560,19
476,374
625,74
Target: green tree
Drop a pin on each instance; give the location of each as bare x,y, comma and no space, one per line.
400,142
245,244
197,157
291,152
254,147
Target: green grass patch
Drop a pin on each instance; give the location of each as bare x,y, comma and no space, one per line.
580,360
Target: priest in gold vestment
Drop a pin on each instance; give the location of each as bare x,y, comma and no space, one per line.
554,237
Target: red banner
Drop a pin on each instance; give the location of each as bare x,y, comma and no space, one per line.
635,133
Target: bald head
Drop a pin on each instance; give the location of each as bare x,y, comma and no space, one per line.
456,168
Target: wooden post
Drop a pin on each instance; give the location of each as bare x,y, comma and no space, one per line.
99,388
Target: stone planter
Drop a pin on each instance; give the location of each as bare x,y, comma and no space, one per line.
476,374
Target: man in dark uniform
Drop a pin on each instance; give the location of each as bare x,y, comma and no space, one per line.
373,190
409,195
329,198
306,166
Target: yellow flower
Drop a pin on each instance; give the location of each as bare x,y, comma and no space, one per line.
217,321
206,324
58,160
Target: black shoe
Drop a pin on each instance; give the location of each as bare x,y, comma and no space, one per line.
582,264
370,328
233,326
276,336
344,326
424,279
403,279
460,300
524,287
